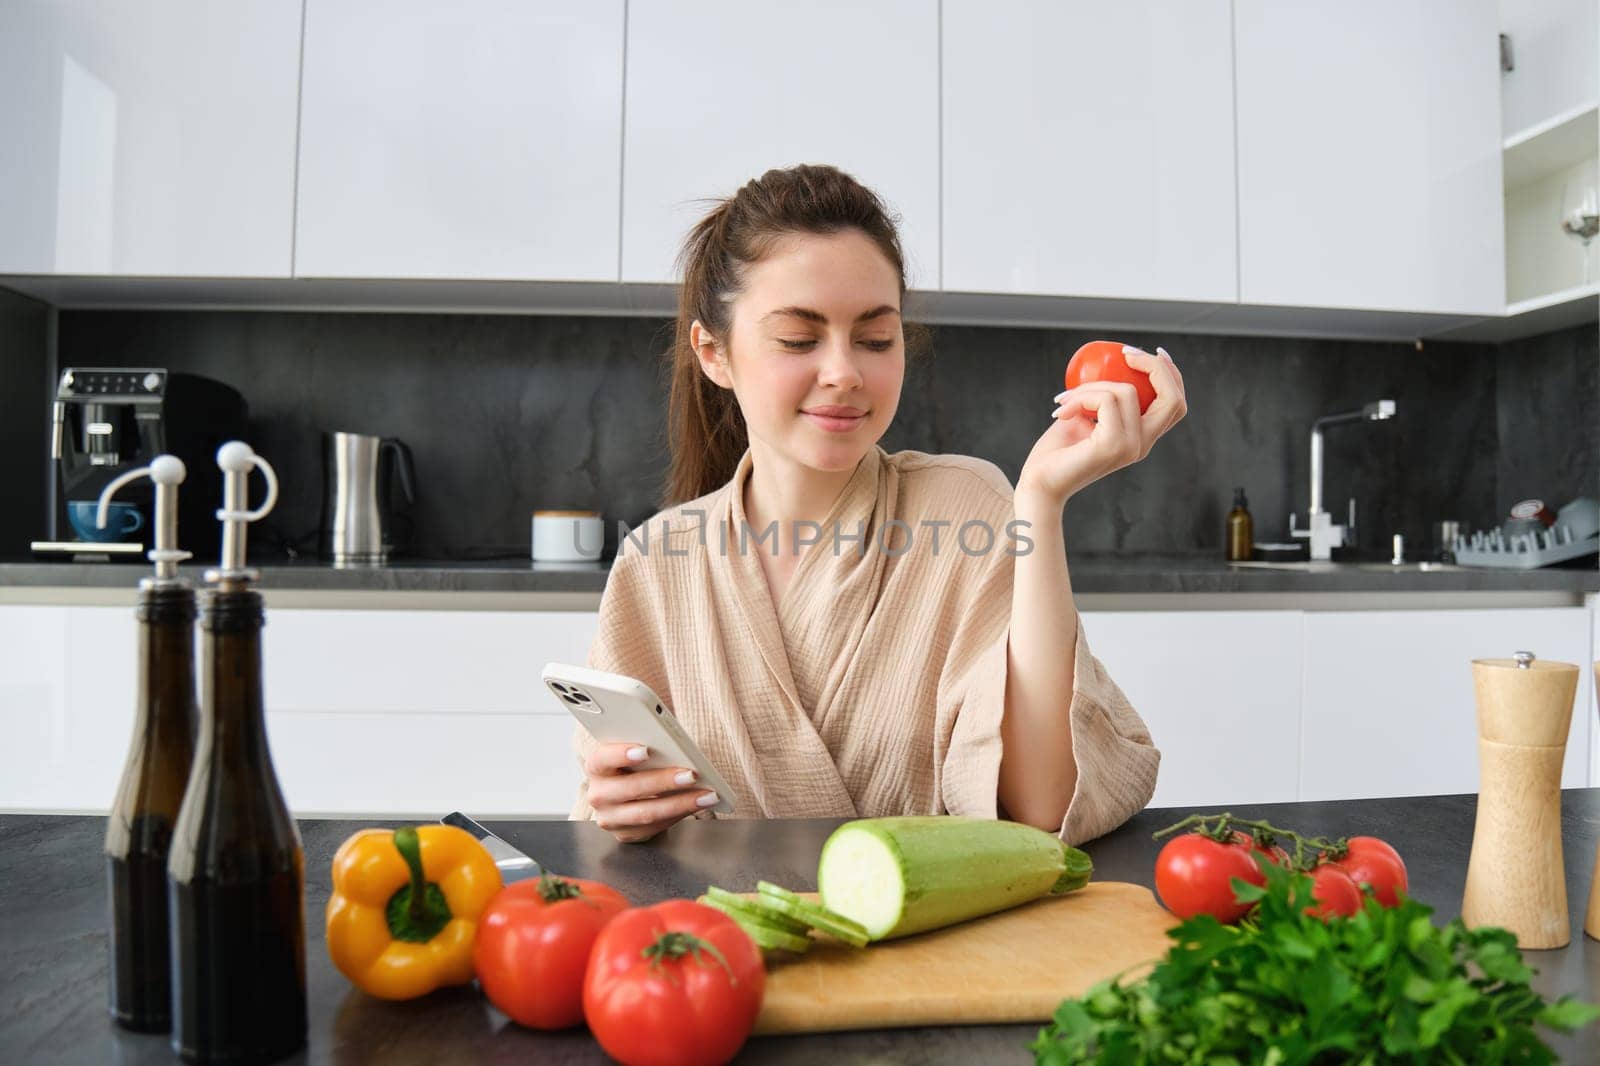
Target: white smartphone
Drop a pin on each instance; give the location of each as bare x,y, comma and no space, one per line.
617,709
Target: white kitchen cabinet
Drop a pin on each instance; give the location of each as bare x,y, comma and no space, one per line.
423,765
1390,708
1088,150
1555,47
477,139
68,694
1369,155
148,139
368,712
422,711
720,91
1220,692
415,712
40,735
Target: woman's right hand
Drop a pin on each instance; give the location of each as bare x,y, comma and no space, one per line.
635,805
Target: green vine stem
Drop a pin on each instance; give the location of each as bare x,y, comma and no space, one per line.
1308,850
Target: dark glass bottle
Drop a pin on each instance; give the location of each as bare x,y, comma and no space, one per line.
139,831
237,871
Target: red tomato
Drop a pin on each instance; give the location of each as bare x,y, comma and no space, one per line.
1371,861
1103,361
533,947
677,984
1334,892
1194,875
1275,854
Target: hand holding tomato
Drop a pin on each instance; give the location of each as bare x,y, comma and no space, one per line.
1120,401
677,984
1107,361
533,947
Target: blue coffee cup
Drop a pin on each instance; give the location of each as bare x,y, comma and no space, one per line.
121,520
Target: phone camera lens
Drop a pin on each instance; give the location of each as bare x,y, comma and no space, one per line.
659,710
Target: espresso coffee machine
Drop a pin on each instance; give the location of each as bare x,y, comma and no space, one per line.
106,421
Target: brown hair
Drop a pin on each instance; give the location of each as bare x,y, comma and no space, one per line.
706,431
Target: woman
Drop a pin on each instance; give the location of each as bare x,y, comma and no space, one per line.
846,632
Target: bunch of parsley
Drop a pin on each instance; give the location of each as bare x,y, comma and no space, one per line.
1385,985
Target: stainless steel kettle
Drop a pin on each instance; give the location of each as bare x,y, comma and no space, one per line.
357,516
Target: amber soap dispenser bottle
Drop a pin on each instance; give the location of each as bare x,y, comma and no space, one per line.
1241,534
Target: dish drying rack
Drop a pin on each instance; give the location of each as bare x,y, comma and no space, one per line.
1523,551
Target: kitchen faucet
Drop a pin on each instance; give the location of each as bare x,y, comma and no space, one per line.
1323,534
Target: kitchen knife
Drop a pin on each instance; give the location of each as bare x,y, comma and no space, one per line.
513,864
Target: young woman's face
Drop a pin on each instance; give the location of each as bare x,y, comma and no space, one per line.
816,333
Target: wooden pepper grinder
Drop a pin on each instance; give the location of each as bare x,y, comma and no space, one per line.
1515,876
1591,921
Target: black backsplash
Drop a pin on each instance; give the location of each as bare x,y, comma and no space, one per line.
506,414
1548,418
24,420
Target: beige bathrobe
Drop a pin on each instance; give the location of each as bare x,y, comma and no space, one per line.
877,685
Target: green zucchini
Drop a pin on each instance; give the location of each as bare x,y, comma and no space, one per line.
812,914
756,909
767,937
770,939
898,876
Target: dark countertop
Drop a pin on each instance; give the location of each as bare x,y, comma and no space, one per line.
53,990
1091,574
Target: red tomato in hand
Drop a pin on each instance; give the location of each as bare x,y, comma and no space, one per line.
677,984
533,947
1103,361
1371,861
1194,875
1334,892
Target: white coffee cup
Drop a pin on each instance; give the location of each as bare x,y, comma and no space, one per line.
567,536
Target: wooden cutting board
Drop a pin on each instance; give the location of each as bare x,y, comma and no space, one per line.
1015,966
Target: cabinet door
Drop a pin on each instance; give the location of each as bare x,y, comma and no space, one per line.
37,765
1369,155
1088,150
419,712
1220,692
721,91
1389,703
1555,47
474,139
68,699
145,138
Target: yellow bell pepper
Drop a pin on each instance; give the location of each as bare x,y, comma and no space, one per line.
404,912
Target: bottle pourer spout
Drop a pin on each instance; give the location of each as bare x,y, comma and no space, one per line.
237,460
168,472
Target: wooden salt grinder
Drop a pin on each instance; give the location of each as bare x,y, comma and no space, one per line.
1591,921
1515,876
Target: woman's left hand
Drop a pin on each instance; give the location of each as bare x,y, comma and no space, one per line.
1098,429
